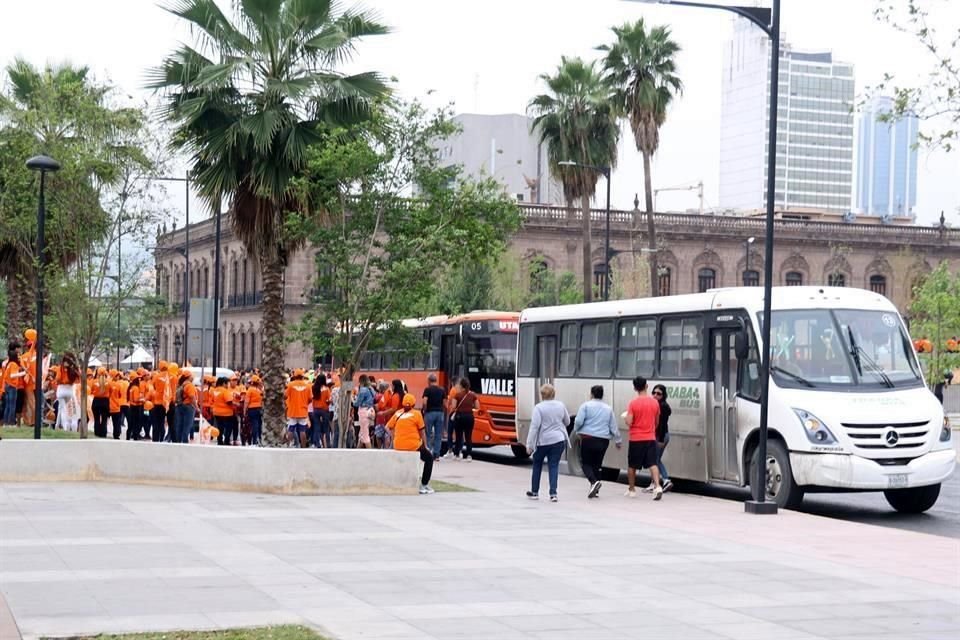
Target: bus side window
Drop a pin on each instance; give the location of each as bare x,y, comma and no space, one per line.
568,350
749,374
525,359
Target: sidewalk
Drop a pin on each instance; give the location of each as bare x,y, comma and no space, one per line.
87,558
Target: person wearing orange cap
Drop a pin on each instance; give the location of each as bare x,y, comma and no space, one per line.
135,401
115,399
410,434
297,398
186,407
28,362
101,402
124,383
173,377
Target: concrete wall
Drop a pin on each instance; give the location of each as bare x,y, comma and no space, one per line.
285,471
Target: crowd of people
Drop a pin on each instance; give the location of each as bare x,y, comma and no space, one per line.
647,418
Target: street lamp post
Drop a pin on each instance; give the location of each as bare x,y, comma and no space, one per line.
605,171
746,269
769,21
43,164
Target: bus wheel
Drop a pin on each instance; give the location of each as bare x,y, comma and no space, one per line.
780,486
913,500
519,451
609,474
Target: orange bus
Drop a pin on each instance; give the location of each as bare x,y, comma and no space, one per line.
480,346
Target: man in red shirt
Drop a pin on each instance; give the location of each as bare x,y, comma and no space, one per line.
641,418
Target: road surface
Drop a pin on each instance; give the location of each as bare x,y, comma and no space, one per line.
869,508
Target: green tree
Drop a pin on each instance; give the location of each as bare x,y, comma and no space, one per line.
63,112
248,102
641,70
578,123
383,252
935,315
467,288
937,100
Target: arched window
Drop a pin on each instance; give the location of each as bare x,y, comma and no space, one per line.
794,279
706,279
836,280
206,281
233,350
663,281
245,284
878,284
539,275
253,349
599,275
243,349
751,278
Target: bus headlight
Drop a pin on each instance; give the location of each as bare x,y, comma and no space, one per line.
945,430
817,432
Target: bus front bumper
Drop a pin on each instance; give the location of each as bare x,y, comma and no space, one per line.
855,472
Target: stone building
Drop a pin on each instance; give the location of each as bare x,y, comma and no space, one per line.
695,253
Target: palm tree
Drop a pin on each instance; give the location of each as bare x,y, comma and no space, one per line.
641,71
578,123
246,103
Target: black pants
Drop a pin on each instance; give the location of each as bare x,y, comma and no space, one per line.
101,415
117,419
229,429
134,420
427,458
171,424
592,451
158,419
463,434
125,416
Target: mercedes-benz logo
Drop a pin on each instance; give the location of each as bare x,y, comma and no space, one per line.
891,437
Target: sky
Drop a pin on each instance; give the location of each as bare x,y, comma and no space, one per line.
486,56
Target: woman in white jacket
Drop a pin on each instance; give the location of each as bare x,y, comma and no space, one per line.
547,439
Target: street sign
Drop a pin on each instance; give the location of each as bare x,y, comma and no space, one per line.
200,338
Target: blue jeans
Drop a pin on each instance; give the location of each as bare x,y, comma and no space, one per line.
434,422
313,433
10,406
661,447
553,453
255,416
183,423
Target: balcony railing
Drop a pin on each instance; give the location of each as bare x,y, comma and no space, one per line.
249,299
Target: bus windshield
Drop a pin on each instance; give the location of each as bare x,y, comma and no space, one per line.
841,348
491,362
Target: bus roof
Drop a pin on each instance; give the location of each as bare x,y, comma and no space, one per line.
750,298
470,316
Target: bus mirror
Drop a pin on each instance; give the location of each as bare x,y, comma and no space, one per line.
740,346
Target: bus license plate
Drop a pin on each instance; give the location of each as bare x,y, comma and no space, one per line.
897,480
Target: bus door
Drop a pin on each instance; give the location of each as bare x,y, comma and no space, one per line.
451,356
722,405
546,363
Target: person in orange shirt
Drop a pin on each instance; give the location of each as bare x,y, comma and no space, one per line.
254,409
156,394
115,398
28,362
297,398
12,385
186,399
206,398
135,399
68,404
124,384
224,416
320,416
169,400
101,402
410,435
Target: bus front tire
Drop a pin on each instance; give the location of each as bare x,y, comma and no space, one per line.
913,500
519,451
781,487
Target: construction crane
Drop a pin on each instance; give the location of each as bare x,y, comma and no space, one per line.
698,187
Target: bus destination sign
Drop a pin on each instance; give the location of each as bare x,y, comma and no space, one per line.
491,326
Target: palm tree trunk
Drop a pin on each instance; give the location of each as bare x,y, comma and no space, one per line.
587,249
19,307
651,227
274,413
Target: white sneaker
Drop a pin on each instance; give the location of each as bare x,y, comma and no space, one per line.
594,489
426,490
630,494
657,493
467,459
647,489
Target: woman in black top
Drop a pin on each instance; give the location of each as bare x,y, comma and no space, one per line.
663,433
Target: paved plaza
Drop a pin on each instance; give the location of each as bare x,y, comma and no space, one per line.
87,558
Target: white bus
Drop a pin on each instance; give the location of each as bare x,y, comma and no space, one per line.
848,406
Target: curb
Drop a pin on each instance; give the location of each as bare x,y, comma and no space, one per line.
8,626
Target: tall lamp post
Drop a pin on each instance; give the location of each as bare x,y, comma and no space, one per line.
748,242
605,171
767,20
43,164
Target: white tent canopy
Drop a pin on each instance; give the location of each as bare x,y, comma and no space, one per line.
139,356
94,362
